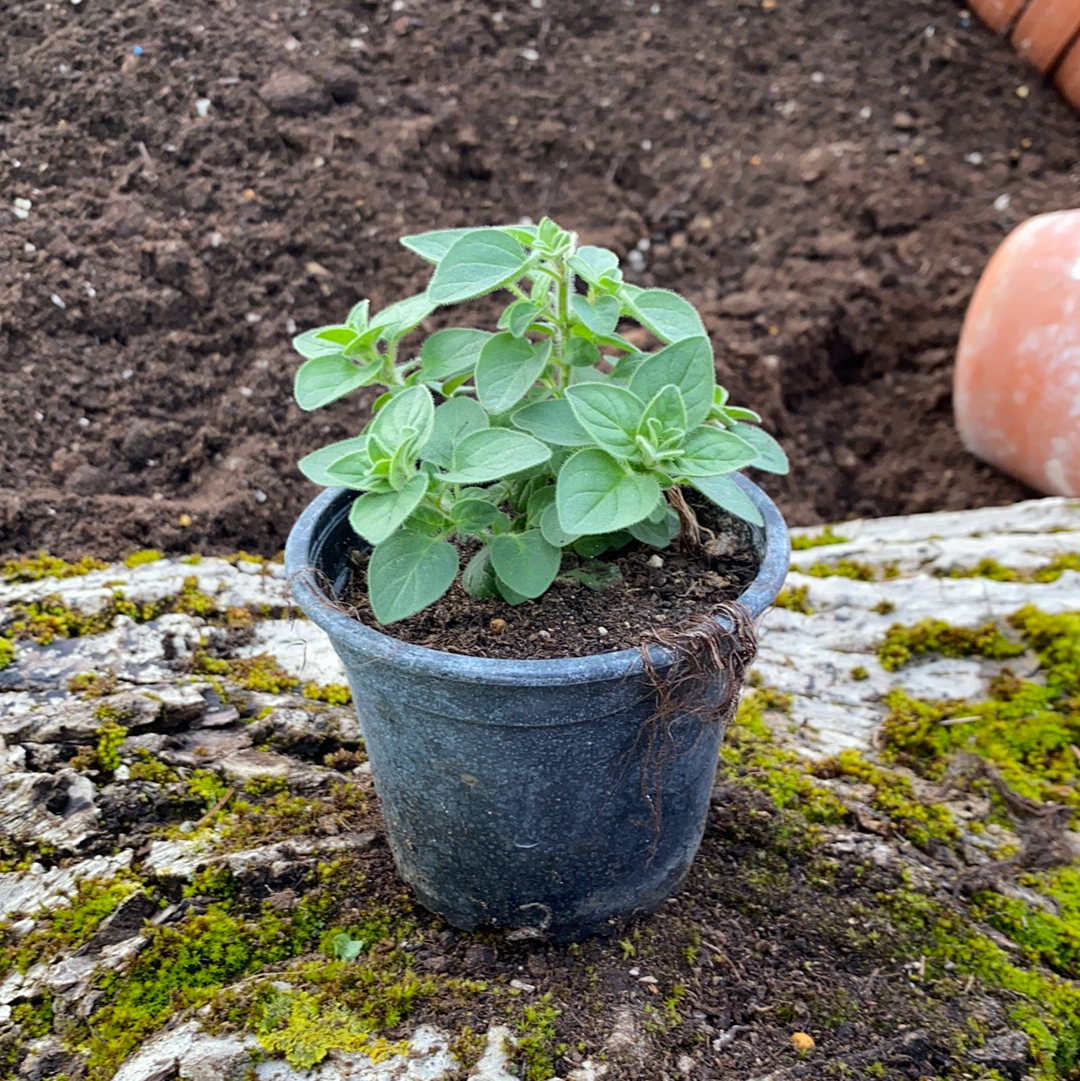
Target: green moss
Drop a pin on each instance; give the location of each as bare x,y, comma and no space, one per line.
65,928
148,768
7,653
335,694
536,1039
894,797
901,643
859,673
47,566
93,684
817,540
145,555
796,599
849,568
884,608
992,569
751,756
105,755
259,673
207,787
265,785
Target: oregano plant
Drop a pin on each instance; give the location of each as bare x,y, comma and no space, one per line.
551,431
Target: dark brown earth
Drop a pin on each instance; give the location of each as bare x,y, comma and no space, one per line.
822,179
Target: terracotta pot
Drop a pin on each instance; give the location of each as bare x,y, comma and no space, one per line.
1045,30
1017,379
1067,76
997,14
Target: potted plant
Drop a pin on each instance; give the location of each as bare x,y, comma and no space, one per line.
555,795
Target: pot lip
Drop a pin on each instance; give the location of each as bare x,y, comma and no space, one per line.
374,644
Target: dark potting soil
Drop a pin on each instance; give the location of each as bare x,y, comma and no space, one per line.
197,180
654,590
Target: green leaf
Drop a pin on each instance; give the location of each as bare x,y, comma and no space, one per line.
507,369
593,263
452,351
737,413
579,353
725,493
519,317
525,562
689,366
314,466
508,594
591,547
601,317
552,421
477,263
770,455
434,245
609,414
312,343
408,416
324,379
595,493
358,316
356,470
668,411
478,577
473,515
398,319
710,451
552,531
376,515
454,420
492,454
667,315
407,572
540,498
657,534
346,948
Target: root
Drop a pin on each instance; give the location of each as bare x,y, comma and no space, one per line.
689,526
703,682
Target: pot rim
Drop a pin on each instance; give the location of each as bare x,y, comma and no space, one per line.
757,597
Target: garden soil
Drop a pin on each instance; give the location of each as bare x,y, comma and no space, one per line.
184,185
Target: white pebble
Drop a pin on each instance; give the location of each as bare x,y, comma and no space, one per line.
531,55
252,317
127,373
655,561
260,496
974,158
602,631
1002,202
246,392
636,261
58,302
866,112
28,247
202,106
818,77
84,422
38,415
646,144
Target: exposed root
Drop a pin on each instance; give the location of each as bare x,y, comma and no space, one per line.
703,682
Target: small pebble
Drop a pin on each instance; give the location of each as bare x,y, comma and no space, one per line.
974,158
260,496
84,422
246,392
656,561
497,626
202,106
122,773
58,302
1002,202
802,1041
602,631
521,985
530,54
184,521
1022,91
818,77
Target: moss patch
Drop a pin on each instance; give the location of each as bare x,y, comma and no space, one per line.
47,566
817,540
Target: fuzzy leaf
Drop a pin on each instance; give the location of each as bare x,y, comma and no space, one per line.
725,493
689,366
478,577
710,451
407,572
376,515
770,456
593,263
408,416
452,352
596,494
315,465
324,379
601,317
525,562
492,454
454,420
609,414
434,245
667,315
552,421
398,319
477,263
507,369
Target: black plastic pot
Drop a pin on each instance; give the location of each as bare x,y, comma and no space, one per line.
523,793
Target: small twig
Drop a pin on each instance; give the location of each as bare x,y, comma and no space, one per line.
959,720
217,806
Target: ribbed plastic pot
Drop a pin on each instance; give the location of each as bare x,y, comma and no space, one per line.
524,794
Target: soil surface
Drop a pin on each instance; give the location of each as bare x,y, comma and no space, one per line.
196,182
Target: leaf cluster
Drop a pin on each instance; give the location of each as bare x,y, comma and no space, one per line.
553,431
